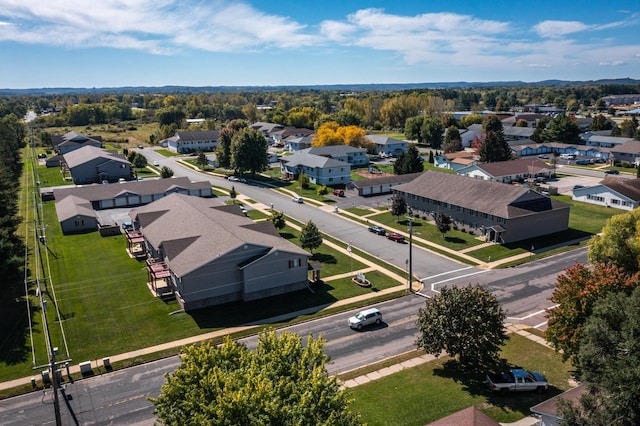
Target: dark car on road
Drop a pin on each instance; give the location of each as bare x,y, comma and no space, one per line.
378,230
612,172
394,236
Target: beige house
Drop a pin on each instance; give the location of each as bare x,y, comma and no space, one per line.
214,254
502,213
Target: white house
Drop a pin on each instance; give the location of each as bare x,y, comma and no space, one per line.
185,142
321,170
616,192
388,146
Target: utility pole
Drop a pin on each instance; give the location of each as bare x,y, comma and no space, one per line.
410,255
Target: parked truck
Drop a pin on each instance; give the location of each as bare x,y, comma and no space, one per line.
516,380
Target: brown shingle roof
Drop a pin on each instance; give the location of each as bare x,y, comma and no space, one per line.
514,167
194,231
399,179
628,187
485,196
471,416
550,406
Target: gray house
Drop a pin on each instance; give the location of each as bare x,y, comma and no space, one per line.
502,213
72,140
388,146
213,254
321,170
349,154
508,171
89,164
76,215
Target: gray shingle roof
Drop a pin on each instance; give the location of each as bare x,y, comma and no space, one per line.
333,150
88,153
313,161
194,231
383,140
208,135
485,196
145,187
385,180
71,206
74,137
629,147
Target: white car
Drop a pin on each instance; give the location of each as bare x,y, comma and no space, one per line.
156,163
297,199
364,318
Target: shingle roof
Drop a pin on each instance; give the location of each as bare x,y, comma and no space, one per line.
71,206
266,127
288,131
550,406
87,153
629,147
383,140
75,137
385,180
498,199
194,231
471,416
630,188
145,187
310,160
333,150
514,167
208,135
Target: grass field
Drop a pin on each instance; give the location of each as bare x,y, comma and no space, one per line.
425,393
106,308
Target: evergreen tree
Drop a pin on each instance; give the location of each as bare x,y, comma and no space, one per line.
495,146
452,140
563,129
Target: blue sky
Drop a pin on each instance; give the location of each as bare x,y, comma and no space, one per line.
107,43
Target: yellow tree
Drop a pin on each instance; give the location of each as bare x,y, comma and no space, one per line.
331,133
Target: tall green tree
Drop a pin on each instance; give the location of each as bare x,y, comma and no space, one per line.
610,364
398,206
443,223
413,163
600,122
575,293
223,151
399,166
249,151
538,135
467,323
619,242
139,160
413,128
201,160
563,129
278,220
281,382
494,147
432,130
452,140
310,237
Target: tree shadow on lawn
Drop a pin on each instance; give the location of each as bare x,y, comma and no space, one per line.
454,240
324,258
261,312
474,382
14,331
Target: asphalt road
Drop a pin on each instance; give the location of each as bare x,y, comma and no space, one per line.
121,397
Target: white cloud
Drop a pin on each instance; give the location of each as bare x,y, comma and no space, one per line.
157,26
553,29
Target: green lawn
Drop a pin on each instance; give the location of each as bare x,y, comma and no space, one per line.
106,307
425,393
167,153
51,176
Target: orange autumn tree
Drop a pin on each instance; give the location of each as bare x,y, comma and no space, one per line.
332,133
576,292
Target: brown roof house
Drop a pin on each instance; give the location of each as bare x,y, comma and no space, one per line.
616,192
470,416
508,171
89,164
548,410
217,255
502,213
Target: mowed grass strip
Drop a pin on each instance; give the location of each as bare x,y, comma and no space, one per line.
433,390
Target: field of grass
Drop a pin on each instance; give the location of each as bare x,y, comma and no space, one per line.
433,390
106,307
122,135
51,176
167,153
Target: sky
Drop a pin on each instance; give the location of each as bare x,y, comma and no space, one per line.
115,43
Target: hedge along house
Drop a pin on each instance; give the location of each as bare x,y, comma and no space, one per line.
215,255
502,213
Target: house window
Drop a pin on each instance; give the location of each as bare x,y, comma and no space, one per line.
595,198
295,263
615,201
